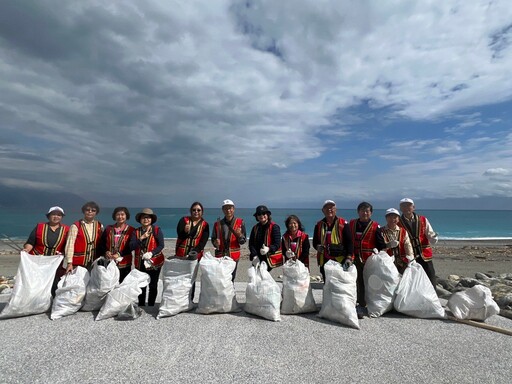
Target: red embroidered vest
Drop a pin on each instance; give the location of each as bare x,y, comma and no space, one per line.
233,250
158,260
41,246
363,247
420,243
274,259
183,246
122,244
287,240
85,247
321,229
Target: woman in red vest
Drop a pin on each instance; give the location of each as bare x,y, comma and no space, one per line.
193,232
265,239
364,239
148,242
49,239
395,240
295,242
115,241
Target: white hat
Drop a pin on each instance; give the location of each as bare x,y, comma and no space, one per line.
392,211
327,202
228,202
407,200
56,209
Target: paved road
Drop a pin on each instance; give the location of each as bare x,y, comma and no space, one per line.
241,348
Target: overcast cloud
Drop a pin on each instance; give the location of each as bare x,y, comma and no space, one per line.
161,103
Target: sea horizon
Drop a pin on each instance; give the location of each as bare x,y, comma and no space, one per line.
457,224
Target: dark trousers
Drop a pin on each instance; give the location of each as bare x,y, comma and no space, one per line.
153,286
123,272
360,282
428,267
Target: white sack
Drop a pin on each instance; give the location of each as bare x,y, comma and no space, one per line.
262,295
70,293
474,303
340,294
33,285
178,275
123,295
297,292
415,295
381,280
102,281
217,291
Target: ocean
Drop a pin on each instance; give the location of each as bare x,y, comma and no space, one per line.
450,224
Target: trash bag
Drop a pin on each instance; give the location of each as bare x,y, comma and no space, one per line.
340,294
474,303
123,295
178,275
262,295
32,286
381,280
70,293
217,291
297,291
103,280
415,295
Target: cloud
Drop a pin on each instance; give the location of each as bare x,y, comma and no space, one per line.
162,100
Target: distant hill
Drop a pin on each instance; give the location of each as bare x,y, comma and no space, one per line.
29,198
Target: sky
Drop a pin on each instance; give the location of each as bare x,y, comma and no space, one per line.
285,103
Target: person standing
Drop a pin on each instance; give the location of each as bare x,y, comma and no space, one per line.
83,238
364,239
49,239
229,234
421,234
193,232
115,241
295,242
265,240
148,242
332,239
395,240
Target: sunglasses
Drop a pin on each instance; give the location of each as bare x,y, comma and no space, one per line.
90,209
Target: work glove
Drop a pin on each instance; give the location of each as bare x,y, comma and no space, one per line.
148,264
255,261
290,254
320,248
118,258
346,263
409,258
147,256
264,250
392,244
434,239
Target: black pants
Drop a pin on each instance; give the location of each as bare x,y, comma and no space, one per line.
360,282
428,267
153,286
123,272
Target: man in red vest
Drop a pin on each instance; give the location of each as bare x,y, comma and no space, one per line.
421,234
229,234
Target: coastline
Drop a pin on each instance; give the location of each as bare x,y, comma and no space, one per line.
451,257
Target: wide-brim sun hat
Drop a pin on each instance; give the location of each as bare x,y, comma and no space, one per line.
261,210
148,212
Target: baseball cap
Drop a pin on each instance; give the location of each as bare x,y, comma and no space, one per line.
56,209
392,211
329,202
407,200
228,202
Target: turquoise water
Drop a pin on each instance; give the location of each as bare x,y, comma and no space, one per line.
450,224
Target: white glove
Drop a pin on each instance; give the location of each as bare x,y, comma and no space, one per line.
290,254
119,259
255,261
409,257
147,256
434,239
392,244
264,250
148,264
